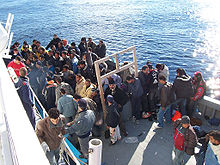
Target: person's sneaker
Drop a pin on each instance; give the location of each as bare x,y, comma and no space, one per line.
158,126
111,143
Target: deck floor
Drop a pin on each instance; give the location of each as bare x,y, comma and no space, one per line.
154,146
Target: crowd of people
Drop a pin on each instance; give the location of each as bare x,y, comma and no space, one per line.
63,77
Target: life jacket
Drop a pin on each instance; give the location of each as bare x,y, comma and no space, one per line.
179,139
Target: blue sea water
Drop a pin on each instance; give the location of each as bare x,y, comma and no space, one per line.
179,33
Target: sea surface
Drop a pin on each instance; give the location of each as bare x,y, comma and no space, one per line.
178,33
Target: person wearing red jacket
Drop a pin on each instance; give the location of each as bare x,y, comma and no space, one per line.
199,86
16,64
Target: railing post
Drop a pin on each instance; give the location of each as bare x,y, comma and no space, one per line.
135,62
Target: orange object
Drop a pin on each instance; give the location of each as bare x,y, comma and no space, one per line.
177,115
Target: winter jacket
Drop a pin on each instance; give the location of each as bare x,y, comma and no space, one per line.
87,91
135,88
165,95
118,94
79,86
49,133
112,117
83,48
182,87
152,79
199,90
67,106
190,138
83,124
25,94
87,73
101,50
50,95
143,78
53,42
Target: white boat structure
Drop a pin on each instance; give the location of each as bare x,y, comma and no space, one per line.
19,144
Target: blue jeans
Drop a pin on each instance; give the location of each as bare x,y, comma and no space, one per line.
53,156
161,113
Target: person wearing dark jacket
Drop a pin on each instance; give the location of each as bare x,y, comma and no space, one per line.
185,140
112,120
49,92
100,49
24,92
135,91
86,71
152,82
83,47
82,126
54,41
199,87
121,98
183,89
143,77
165,102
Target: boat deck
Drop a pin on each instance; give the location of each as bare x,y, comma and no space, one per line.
154,146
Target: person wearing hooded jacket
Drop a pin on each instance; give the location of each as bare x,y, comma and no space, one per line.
199,87
183,89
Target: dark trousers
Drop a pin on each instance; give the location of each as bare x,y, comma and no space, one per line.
145,103
122,124
153,99
136,106
192,108
182,102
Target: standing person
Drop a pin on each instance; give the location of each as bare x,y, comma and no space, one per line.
163,70
143,76
199,87
112,120
83,47
49,132
165,102
121,98
24,92
87,88
101,49
49,93
80,82
91,44
82,126
185,140
67,106
212,156
16,64
182,87
153,92
54,41
135,91
66,86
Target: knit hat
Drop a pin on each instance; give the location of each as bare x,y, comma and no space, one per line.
110,98
82,103
185,120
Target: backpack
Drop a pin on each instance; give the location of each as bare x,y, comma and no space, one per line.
179,139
